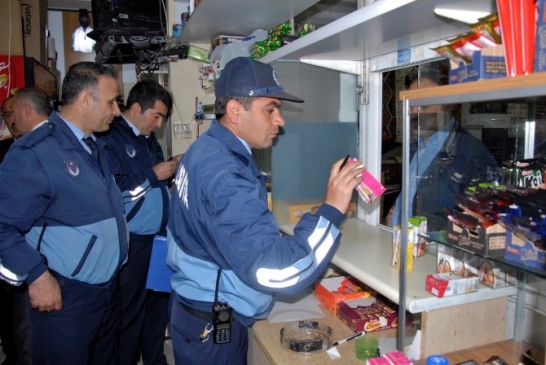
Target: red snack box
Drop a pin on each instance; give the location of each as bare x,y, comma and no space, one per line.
360,316
447,284
331,291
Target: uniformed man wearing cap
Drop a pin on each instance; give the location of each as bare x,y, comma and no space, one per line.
224,243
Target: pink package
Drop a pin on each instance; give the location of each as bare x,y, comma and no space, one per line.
377,361
397,358
370,189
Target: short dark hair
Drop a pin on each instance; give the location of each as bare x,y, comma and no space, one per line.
5,100
84,76
146,93
37,98
221,102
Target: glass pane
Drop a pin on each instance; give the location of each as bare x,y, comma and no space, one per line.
454,146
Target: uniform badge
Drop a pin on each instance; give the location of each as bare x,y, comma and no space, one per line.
131,150
72,167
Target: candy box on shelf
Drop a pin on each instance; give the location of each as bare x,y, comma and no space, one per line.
524,252
490,241
495,275
447,284
368,315
487,63
450,259
330,291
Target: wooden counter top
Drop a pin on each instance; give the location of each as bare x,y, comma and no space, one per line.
267,335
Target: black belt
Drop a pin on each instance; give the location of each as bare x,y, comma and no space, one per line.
206,316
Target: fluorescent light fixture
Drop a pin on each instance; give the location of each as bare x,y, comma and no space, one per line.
466,11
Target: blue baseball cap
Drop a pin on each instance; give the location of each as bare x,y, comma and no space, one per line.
246,77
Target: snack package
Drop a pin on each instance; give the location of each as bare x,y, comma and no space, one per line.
370,189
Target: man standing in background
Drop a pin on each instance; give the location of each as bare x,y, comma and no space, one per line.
62,227
31,109
141,173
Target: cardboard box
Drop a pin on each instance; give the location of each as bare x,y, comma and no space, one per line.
496,275
368,315
489,242
331,291
34,14
447,284
488,63
10,14
396,237
295,212
524,252
450,259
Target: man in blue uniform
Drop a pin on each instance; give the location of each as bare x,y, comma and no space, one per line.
64,232
141,172
224,243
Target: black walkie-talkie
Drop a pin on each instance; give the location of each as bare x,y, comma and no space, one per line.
222,314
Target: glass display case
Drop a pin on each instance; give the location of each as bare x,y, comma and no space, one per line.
477,168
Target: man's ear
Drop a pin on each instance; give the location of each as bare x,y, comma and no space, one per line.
233,110
85,99
136,109
27,110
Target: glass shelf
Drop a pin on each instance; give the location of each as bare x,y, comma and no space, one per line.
498,259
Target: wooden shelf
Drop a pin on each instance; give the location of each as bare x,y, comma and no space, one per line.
507,87
509,350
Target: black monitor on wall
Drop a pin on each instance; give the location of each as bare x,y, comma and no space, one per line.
137,17
124,28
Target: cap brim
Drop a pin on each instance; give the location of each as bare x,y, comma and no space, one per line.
285,96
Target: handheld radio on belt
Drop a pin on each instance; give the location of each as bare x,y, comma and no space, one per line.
222,314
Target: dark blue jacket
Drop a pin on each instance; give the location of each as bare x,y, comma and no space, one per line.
49,180
463,160
132,159
220,219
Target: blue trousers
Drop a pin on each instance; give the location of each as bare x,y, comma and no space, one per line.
144,313
84,331
189,350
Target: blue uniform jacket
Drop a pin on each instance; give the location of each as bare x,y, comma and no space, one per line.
146,199
49,180
465,162
220,219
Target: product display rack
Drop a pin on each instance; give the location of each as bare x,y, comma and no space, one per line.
522,88
380,28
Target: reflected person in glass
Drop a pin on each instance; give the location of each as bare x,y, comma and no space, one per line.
444,160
